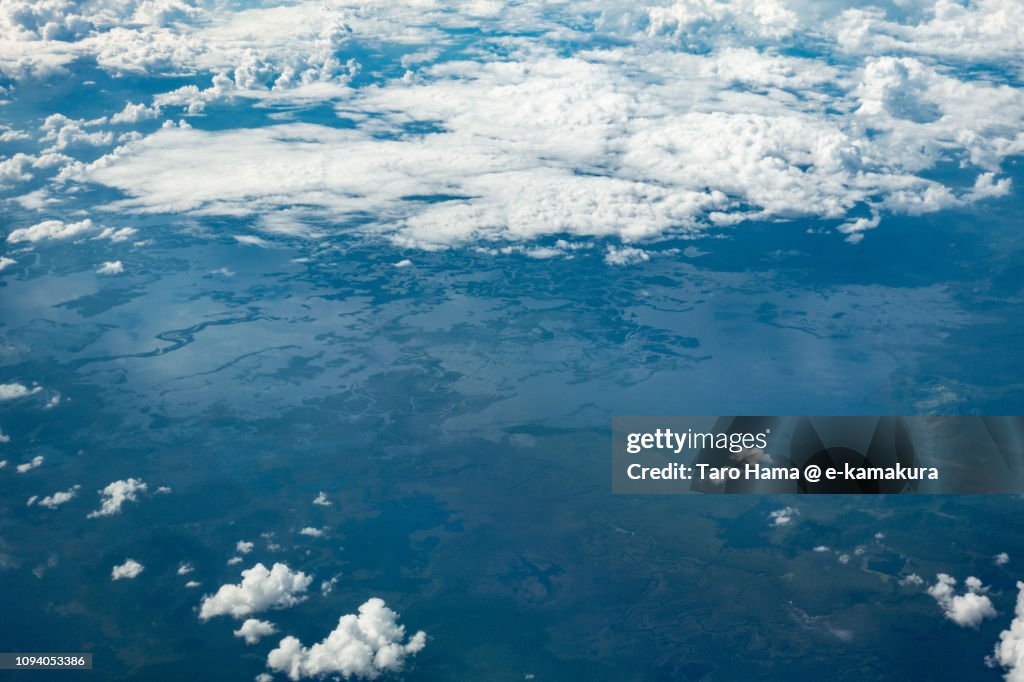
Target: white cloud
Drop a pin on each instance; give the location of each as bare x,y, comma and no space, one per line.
966,610
784,516
185,568
585,145
912,580
34,463
321,500
1001,559
117,235
244,547
192,584
128,570
260,589
822,549
979,30
625,255
58,498
234,561
5,262
13,391
253,630
694,118
110,268
1009,650
364,645
311,532
115,494
134,113
63,132
50,229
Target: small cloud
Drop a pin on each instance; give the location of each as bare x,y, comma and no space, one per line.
322,500
879,536
49,229
311,532
34,463
844,558
363,645
261,589
128,570
253,630
784,517
115,495
115,235
912,580
5,262
252,240
192,584
234,560
822,549
14,391
243,547
57,499
966,610
164,490
110,268
625,255
404,263
185,568
1001,559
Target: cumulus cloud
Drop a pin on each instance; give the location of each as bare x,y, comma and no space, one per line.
127,571
363,646
260,589
5,261
678,117
626,255
134,113
912,580
50,229
12,391
1001,559
115,494
192,584
966,610
311,532
522,148
321,500
184,568
110,268
244,547
784,516
33,463
253,630
1009,651
57,499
